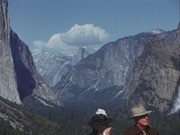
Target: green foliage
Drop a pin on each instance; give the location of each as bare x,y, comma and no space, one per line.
166,124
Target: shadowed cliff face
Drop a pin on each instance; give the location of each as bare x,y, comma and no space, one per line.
155,76
29,80
24,66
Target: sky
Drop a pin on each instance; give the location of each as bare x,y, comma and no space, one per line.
66,25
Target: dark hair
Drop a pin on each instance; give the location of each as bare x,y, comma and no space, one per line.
100,119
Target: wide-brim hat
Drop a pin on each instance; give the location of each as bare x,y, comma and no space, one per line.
139,110
100,119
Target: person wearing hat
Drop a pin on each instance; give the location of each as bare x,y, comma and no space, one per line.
141,127
100,123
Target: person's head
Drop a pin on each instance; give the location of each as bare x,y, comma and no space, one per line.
140,116
100,121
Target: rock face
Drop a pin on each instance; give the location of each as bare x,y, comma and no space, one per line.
18,76
29,80
81,54
8,81
155,78
51,66
100,76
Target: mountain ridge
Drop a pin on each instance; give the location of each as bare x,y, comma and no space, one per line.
107,67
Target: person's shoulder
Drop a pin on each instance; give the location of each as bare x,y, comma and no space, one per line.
131,130
153,131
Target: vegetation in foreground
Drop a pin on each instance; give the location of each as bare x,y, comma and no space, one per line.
73,121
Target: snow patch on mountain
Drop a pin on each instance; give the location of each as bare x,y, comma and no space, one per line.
156,31
52,65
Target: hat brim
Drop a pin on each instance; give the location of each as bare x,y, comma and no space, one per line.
141,114
108,121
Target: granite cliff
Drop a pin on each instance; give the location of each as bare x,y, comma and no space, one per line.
155,77
19,78
8,81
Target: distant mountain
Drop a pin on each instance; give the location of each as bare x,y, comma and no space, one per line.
125,71
100,77
19,78
52,66
82,53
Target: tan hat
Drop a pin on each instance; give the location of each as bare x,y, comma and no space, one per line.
139,110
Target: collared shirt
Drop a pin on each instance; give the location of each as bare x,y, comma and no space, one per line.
134,130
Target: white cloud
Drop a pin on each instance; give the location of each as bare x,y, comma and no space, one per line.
56,44
79,35
39,44
83,35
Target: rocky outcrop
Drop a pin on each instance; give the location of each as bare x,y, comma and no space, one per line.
8,81
51,65
14,116
81,54
155,78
